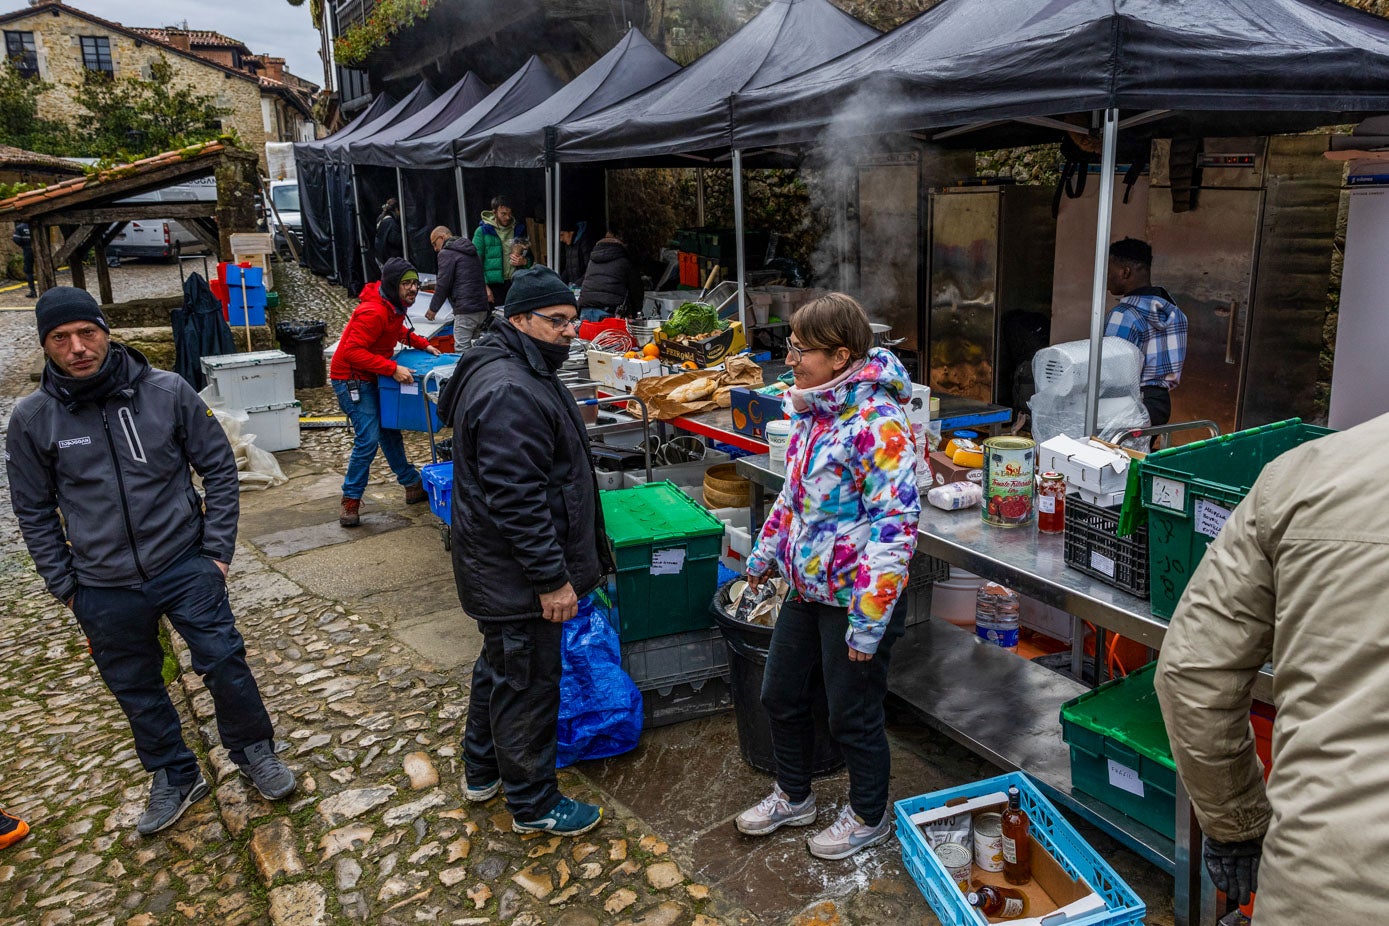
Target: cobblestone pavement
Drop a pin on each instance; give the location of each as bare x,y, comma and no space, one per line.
378,831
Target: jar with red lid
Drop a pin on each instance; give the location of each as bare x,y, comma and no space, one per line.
1051,504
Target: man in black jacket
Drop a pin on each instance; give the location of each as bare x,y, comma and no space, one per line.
461,283
109,441
528,542
611,282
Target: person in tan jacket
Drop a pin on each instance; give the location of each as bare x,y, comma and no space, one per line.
1297,576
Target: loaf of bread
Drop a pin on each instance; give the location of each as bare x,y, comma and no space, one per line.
694,391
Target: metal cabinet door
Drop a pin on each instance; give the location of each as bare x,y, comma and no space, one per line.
1205,258
963,293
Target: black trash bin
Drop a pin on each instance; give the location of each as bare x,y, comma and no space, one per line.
304,342
747,658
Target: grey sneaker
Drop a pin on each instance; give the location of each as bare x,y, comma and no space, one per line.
483,793
847,835
775,811
168,802
272,778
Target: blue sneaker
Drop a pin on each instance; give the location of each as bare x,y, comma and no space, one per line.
569,818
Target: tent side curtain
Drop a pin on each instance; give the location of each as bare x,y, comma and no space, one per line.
688,112
966,62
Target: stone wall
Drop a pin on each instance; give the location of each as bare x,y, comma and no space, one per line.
57,40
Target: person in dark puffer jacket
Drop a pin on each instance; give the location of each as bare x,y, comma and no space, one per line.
611,283
527,540
461,284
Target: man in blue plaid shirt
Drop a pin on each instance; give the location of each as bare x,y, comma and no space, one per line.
1147,316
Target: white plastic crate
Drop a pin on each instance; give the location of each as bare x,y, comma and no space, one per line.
275,426
255,380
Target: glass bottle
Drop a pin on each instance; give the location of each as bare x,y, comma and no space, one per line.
1004,903
1017,841
1051,504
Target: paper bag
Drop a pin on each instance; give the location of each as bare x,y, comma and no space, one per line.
655,391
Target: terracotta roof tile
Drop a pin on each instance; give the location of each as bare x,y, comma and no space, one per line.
67,187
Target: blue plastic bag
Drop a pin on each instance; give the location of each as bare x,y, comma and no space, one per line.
600,710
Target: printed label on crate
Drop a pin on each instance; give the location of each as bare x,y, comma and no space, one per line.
1125,778
667,562
409,388
1101,563
1210,517
1169,494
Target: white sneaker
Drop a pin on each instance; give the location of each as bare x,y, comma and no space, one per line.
847,835
775,811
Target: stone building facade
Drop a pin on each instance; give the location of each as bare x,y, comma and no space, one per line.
59,44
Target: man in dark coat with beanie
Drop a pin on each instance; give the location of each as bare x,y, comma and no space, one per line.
108,440
528,543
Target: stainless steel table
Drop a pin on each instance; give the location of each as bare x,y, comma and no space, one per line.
1006,708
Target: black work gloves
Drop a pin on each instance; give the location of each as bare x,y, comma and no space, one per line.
1234,866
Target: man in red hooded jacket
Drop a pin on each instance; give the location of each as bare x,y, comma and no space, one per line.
365,352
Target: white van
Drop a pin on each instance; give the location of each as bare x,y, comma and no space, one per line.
284,194
163,238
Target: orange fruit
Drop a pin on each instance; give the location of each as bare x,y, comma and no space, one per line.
690,365
650,352
630,355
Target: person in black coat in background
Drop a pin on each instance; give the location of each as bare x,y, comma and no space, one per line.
574,248
388,242
611,282
460,282
527,542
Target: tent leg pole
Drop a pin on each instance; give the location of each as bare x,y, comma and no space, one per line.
462,201
559,210
607,214
699,197
332,226
361,230
1100,287
738,238
549,216
400,202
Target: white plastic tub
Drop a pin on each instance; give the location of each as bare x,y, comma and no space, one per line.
953,600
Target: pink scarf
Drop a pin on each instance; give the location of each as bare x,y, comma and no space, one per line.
799,396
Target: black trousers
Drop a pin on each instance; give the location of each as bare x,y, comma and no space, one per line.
808,639
123,627
29,267
499,291
1158,401
513,714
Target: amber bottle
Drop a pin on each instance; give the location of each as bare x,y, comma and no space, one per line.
1004,903
1017,841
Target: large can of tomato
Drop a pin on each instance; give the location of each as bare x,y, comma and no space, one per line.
1010,467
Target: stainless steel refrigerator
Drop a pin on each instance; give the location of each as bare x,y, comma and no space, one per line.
991,256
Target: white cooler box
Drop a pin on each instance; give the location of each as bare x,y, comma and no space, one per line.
252,380
275,426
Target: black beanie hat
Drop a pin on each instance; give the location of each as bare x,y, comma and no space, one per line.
396,271
63,304
537,288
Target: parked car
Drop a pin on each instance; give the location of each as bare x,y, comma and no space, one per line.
284,194
158,238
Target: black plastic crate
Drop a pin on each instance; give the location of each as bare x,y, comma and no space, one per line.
687,701
1094,547
925,571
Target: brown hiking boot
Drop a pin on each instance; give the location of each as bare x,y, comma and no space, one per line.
415,494
351,514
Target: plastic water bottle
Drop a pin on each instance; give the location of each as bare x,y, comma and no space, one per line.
996,615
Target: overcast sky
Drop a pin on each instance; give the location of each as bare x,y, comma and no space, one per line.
270,27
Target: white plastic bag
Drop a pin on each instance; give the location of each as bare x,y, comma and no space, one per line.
255,468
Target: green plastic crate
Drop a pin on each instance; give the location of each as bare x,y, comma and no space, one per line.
667,549
1120,752
1188,491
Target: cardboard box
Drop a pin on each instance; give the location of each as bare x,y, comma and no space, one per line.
628,372
919,409
1101,499
1088,465
705,353
602,367
944,471
752,409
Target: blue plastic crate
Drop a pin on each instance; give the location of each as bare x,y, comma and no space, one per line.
438,482
236,312
254,276
1075,856
405,411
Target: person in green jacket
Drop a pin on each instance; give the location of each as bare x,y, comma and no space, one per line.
495,240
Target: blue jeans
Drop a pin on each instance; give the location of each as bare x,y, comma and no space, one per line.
123,627
365,415
595,315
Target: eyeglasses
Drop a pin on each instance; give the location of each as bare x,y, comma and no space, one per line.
560,323
797,354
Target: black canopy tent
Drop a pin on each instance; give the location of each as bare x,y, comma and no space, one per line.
684,121
353,228
311,171
987,74
424,201
630,67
